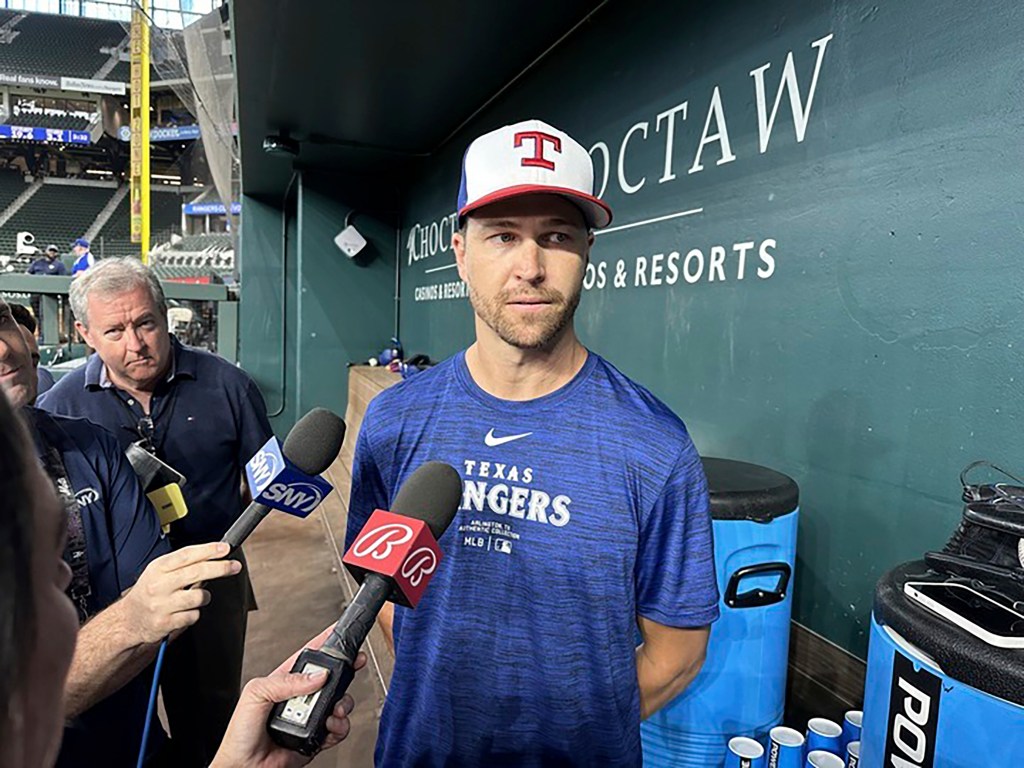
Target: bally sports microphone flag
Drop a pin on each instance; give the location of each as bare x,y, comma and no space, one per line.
398,547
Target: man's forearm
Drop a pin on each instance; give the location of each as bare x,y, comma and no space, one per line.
661,683
105,659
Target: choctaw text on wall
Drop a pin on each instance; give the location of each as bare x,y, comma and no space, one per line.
619,167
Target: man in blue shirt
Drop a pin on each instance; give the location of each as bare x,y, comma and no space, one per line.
585,513
83,257
114,548
205,418
50,264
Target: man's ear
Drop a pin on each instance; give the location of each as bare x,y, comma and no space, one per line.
84,333
459,246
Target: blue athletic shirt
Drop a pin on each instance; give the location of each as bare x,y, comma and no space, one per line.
82,263
581,509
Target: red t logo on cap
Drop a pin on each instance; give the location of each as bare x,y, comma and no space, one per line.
539,137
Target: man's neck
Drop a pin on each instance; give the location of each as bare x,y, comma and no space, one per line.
510,373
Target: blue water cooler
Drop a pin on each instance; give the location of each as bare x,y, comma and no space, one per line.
741,688
935,695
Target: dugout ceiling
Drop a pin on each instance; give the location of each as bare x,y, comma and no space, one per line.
368,87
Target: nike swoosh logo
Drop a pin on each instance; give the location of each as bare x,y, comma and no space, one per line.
493,441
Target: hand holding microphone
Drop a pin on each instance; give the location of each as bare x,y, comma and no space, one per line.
394,556
168,595
162,602
247,743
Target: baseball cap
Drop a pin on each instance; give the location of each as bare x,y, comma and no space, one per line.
82,242
528,158
52,247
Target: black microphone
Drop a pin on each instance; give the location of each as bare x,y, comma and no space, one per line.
431,495
311,446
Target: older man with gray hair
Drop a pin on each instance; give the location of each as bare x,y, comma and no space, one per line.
201,415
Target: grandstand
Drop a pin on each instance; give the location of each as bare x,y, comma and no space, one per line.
56,213
12,184
121,73
206,256
203,242
68,201
42,44
66,122
114,239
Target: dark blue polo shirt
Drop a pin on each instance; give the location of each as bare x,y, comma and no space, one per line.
122,535
44,379
208,420
45,266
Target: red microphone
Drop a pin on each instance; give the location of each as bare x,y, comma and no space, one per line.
399,548
393,558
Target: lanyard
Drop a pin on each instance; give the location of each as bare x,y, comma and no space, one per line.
148,442
75,552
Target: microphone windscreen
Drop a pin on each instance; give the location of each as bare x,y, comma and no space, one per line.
314,442
432,494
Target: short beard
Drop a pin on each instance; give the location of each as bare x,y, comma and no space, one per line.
534,333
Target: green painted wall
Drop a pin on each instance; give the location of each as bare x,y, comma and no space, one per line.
876,350
338,309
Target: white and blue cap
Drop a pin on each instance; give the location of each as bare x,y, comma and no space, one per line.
530,158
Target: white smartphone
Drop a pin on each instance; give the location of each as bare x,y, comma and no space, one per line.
967,608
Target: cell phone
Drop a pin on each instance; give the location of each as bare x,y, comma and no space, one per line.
982,616
152,472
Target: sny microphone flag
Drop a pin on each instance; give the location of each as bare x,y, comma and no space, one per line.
278,483
399,547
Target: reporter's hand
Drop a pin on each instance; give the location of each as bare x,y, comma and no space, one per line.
161,603
246,741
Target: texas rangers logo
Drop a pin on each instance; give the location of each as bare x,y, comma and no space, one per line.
539,139
379,542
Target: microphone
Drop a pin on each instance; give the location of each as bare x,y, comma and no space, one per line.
287,478
161,483
394,558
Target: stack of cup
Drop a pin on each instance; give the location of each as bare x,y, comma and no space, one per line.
785,748
853,754
824,735
819,758
851,726
851,735
827,745
744,753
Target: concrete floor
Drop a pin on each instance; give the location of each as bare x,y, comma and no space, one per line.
302,587
295,570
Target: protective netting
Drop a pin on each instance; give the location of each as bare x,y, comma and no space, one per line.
195,65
